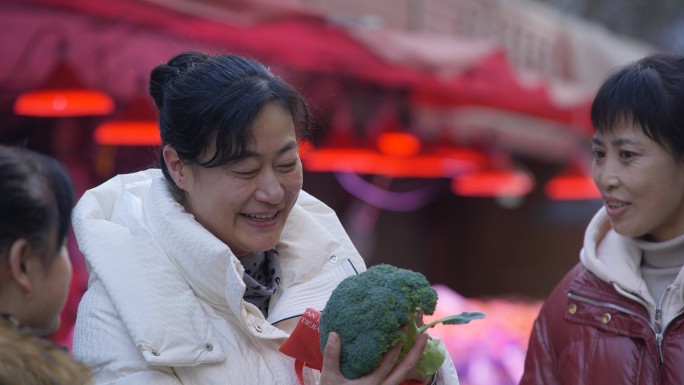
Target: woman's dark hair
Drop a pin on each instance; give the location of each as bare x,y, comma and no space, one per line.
203,98
648,93
36,195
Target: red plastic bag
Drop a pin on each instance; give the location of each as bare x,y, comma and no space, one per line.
304,343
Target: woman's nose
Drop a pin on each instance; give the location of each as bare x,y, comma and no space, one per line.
269,188
605,177
611,183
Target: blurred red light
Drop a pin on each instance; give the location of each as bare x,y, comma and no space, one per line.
63,103
128,133
571,187
398,144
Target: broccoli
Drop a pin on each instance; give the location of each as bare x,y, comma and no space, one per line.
368,312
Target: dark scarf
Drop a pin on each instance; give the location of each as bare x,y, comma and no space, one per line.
262,277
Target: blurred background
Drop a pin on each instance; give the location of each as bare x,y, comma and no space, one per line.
450,135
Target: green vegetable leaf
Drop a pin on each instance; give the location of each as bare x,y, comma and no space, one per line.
458,319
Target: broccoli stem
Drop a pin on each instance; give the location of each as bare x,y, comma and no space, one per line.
433,354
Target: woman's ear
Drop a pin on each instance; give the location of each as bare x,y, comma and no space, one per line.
19,258
179,171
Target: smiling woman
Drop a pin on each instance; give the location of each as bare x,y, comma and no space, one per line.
199,270
617,316
245,203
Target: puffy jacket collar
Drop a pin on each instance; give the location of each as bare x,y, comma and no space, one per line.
204,261
121,253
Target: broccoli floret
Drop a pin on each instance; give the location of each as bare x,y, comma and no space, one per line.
368,312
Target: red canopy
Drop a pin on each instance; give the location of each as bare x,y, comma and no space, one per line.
441,70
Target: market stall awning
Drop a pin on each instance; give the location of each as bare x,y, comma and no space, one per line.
439,69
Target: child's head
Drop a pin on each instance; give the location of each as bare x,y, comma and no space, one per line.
36,198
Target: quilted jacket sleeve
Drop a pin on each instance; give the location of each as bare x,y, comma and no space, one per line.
541,363
101,342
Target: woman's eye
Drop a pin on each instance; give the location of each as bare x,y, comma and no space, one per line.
626,154
246,173
596,153
288,166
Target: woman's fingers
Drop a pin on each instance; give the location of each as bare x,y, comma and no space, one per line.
401,371
388,373
418,318
389,360
331,354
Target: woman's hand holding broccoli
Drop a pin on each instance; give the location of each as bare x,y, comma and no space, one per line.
388,373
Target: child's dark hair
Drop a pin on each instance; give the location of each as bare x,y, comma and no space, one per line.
36,196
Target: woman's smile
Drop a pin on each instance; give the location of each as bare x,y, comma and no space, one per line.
262,220
615,207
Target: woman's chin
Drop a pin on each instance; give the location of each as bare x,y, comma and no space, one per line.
255,246
46,330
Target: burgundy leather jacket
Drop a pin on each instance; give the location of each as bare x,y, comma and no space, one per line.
587,333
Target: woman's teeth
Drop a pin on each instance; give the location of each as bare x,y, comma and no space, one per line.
257,217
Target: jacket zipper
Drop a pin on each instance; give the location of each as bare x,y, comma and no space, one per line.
655,328
658,315
658,318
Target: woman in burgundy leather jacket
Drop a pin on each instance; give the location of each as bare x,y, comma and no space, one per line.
616,318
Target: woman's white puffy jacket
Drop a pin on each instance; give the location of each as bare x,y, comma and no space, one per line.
164,301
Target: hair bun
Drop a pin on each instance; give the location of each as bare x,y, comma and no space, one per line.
166,73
